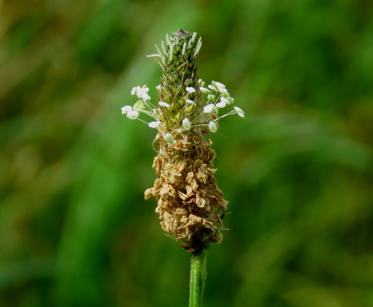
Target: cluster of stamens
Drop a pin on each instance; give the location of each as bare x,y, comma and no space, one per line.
201,109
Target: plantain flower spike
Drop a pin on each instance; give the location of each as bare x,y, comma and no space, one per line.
190,205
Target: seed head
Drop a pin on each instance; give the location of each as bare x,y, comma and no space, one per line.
189,203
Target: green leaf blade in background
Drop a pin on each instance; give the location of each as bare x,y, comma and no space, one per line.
74,227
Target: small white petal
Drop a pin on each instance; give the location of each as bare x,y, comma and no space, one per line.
164,104
219,85
224,91
209,108
154,124
211,87
145,97
168,138
239,112
186,124
190,89
126,109
142,92
204,90
133,114
212,127
134,90
158,87
221,104
189,101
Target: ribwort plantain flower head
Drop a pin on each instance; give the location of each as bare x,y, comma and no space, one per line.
190,205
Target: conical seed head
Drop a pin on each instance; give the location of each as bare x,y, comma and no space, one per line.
179,71
190,205
184,58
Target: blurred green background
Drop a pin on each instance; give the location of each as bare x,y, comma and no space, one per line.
74,227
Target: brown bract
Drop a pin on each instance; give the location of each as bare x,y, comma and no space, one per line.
190,205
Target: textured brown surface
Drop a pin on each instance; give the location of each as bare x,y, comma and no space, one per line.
190,204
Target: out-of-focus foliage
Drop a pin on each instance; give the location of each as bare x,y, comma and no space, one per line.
74,228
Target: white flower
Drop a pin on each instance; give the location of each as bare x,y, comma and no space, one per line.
211,87
190,89
154,124
204,90
143,89
225,100
186,124
158,87
168,138
219,85
126,109
224,91
209,108
134,90
189,101
164,104
212,127
210,97
133,114
239,112
144,96
221,104
230,100
141,92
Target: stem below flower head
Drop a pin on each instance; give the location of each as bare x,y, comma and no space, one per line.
197,278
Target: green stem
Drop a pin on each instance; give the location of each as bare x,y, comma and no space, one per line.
197,279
